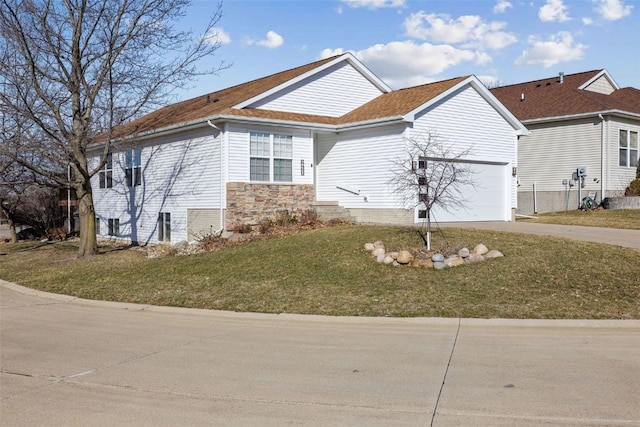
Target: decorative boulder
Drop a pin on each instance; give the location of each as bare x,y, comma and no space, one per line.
474,257
426,263
388,259
464,252
437,258
480,249
378,244
404,257
369,247
380,257
415,263
494,254
453,261
377,251
439,265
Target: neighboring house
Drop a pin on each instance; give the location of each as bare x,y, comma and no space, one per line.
326,133
576,120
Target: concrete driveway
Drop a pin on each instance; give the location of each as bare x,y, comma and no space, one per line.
71,362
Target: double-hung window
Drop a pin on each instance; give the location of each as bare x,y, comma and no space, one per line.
114,226
133,172
106,173
271,157
628,148
164,227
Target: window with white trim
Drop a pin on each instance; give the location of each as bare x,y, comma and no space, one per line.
270,157
133,171
164,227
114,226
106,173
628,148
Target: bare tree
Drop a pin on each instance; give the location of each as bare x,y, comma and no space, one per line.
74,70
432,173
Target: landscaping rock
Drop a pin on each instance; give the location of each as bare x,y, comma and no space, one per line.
378,244
380,256
388,259
415,263
377,251
369,247
439,265
480,249
437,258
474,257
464,252
425,263
493,254
454,261
404,257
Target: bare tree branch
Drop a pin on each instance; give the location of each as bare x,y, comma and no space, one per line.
432,173
73,70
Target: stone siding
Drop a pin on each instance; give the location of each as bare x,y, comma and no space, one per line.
249,203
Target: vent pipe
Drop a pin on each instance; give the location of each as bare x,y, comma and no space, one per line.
561,77
522,97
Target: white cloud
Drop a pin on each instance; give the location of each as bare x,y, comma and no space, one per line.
587,21
468,30
272,41
612,10
502,6
406,63
552,11
217,35
326,53
372,4
558,48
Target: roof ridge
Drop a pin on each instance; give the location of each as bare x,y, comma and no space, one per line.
432,83
550,78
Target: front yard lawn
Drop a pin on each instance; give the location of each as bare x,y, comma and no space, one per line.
326,271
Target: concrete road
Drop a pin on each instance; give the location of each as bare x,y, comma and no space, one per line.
71,362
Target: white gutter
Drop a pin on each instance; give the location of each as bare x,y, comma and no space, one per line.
221,229
581,116
602,157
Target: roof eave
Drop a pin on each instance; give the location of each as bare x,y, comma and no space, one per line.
620,113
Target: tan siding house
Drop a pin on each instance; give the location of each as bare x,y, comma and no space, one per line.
574,121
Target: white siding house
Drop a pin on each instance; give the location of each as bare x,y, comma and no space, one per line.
327,132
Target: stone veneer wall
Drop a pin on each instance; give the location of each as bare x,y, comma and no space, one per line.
249,203
621,202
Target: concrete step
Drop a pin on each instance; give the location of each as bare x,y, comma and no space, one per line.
329,210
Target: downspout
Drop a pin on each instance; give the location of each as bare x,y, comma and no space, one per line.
221,229
602,157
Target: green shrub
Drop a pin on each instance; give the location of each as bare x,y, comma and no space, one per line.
634,188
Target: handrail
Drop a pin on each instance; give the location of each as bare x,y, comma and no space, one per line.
357,193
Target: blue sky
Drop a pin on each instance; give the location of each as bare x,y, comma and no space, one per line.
407,43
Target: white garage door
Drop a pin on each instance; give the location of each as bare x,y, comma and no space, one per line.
487,201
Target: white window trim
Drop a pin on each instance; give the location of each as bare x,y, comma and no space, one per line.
272,156
629,149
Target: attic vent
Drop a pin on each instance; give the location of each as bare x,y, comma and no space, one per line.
208,99
548,84
538,85
216,99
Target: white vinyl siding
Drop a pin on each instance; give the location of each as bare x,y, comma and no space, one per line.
180,173
332,92
355,168
601,85
553,152
301,151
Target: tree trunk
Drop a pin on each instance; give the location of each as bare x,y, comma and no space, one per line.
88,241
428,229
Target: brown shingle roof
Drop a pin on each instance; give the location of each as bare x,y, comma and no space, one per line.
199,108
549,98
220,103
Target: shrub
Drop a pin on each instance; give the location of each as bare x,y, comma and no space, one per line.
309,217
633,189
284,218
265,225
242,228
